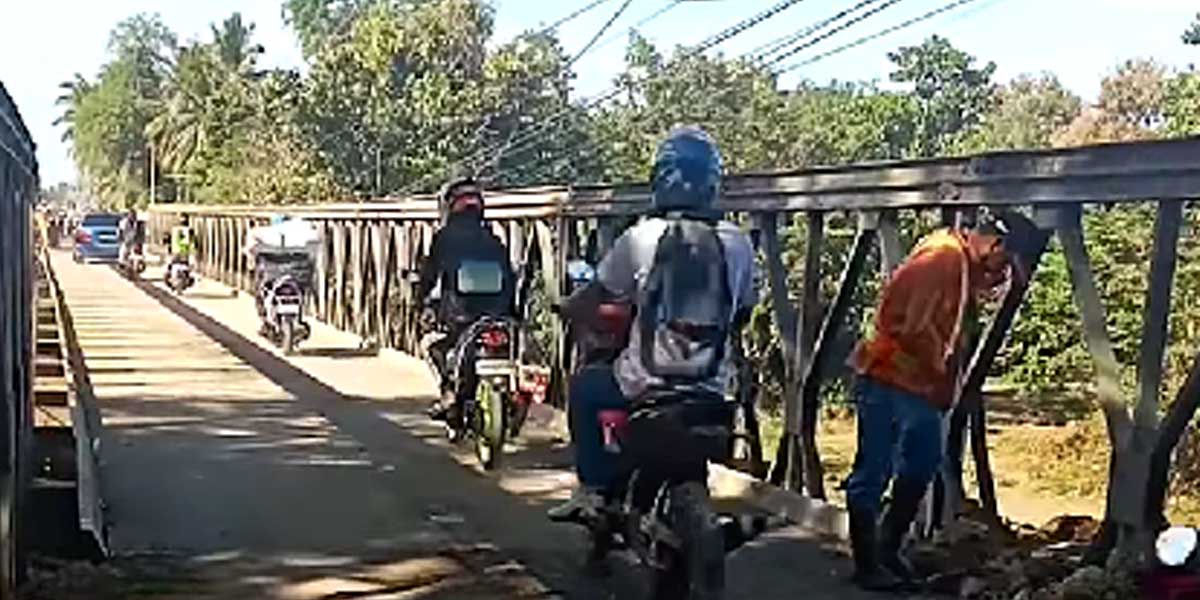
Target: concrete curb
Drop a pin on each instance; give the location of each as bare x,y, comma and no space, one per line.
817,516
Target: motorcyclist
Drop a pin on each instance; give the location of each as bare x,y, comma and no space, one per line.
132,235
464,252
181,242
685,183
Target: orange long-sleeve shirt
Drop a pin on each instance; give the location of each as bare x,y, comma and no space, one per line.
918,324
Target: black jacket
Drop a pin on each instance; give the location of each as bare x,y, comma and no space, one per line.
466,238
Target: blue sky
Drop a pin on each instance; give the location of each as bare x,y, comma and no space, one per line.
46,41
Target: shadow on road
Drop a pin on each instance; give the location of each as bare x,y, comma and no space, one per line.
475,507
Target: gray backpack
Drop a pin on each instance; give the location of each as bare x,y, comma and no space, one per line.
685,304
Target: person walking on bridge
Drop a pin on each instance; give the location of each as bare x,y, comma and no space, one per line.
908,376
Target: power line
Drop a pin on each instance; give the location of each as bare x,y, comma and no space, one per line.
773,46
709,43
644,21
832,32
520,141
586,47
573,16
603,30
737,29
874,36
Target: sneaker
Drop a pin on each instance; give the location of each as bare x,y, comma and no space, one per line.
585,504
440,409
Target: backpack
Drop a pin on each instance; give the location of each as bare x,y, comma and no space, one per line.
685,306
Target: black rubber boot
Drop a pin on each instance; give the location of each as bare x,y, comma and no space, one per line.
906,498
867,573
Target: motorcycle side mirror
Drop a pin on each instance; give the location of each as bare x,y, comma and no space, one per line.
580,272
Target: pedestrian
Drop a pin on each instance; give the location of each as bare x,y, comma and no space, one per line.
907,378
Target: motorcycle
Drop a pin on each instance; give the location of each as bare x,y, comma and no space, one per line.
494,390
281,281
665,518
485,370
132,262
179,276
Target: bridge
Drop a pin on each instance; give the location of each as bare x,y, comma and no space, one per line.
198,458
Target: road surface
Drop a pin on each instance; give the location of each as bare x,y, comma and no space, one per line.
233,472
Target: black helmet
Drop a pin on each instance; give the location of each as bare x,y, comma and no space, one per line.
463,187
687,173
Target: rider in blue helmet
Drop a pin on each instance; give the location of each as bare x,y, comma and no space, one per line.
645,268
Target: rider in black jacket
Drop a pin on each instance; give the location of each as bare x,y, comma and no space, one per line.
462,250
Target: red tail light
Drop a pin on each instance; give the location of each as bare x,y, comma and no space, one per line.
494,338
83,237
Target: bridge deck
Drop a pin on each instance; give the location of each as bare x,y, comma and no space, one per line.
239,473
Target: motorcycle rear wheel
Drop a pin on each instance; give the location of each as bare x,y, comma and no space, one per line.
488,424
697,570
287,337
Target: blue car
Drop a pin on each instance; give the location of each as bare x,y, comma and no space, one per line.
98,238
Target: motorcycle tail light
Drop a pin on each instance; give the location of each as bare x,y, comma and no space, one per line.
493,339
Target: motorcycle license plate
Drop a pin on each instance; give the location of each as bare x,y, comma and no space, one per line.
288,309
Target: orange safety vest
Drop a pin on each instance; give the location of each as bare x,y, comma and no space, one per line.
919,321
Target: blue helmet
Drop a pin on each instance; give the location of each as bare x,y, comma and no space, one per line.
687,172
278,219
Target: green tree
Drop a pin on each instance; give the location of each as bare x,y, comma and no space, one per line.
1181,108
1191,37
107,119
1027,113
74,93
953,93
1130,107
318,22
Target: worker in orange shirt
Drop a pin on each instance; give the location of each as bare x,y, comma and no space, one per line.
908,375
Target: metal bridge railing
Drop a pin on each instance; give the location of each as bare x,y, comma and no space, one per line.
369,245
18,189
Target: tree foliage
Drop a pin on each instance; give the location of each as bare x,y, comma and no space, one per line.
954,94
401,94
1191,36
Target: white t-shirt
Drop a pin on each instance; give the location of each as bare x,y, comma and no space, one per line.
623,272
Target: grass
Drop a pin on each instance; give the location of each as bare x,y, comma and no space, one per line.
1041,471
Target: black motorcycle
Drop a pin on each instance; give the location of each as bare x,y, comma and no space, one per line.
484,367
660,509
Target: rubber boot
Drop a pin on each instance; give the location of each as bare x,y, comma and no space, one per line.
897,520
867,573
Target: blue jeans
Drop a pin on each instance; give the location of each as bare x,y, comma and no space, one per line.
593,389
898,433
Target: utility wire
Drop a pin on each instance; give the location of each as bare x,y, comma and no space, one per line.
737,29
671,4
709,43
595,38
573,16
903,25
586,47
832,32
874,36
762,52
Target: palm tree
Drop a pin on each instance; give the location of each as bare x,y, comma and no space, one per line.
232,41
74,93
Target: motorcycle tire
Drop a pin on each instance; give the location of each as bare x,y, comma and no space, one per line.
287,336
488,424
697,570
